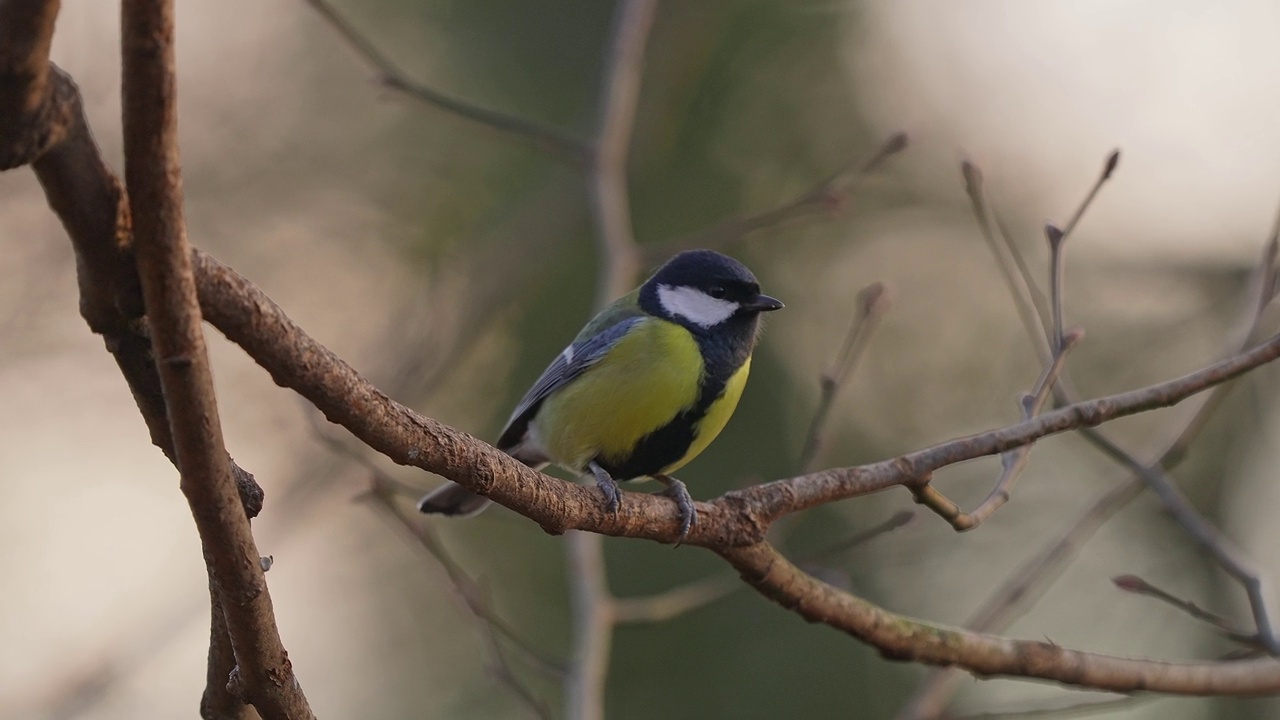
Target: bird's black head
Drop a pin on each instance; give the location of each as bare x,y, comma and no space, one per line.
704,290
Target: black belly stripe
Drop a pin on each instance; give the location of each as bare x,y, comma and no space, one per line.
722,355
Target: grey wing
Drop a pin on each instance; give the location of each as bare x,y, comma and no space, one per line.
568,365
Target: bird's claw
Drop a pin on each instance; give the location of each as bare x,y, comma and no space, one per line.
609,488
688,514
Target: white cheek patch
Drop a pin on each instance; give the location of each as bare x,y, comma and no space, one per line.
695,306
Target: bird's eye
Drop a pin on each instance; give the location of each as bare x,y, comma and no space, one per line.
717,291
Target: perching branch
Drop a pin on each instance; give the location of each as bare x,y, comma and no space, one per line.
737,519
250,319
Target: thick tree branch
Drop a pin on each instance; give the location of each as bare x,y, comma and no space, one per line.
153,174
42,123
900,638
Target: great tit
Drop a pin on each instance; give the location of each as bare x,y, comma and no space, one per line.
643,388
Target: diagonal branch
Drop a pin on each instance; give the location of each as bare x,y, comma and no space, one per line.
1012,463
833,193
42,123
263,674
243,313
901,638
392,77
873,303
730,523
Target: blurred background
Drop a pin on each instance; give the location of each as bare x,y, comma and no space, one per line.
448,261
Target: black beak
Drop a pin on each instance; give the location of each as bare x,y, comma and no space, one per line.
763,303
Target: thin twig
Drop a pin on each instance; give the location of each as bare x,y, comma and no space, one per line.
1209,538
1012,463
384,489
684,599
670,604
591,607
1057,244
895,521
1057,279
1001,608
1034,296
1012,270
1138,586
832,194
1061,708
382,494
1108,169
873,303
393,78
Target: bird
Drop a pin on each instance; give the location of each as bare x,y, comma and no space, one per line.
643,389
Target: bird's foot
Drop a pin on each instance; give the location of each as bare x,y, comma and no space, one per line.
608,487
688,514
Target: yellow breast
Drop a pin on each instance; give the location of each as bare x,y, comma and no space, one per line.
716,418
647,379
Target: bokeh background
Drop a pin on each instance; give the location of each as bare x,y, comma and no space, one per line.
448,261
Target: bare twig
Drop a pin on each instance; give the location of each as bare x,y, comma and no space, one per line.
1208,537
833,194
1108,169
1057,244
899,519
670,604
873,303
678,601
1003,606
592,607
1138,586
1012,463
1017,278
1068,707
383,493
392,77
263,674
607,183
384,489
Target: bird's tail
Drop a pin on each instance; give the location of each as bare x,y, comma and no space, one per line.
453,500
